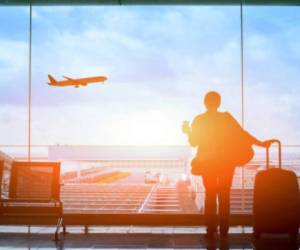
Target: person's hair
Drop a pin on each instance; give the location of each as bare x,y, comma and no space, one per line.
212,100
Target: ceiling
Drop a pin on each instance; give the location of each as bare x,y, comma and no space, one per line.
150,2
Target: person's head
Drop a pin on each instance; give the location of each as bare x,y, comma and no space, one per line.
212,100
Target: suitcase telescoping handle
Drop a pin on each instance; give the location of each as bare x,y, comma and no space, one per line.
279,154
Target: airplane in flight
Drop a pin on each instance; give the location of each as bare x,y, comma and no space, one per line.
76,82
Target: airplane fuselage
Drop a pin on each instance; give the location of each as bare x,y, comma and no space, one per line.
77,82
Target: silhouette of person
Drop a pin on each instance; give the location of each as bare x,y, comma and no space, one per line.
216,136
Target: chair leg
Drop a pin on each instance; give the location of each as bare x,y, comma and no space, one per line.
58,225
86,229
64,227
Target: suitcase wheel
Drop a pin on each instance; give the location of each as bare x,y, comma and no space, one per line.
294,235
256,234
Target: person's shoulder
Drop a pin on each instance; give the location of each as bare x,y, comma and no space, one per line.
230,118
227,114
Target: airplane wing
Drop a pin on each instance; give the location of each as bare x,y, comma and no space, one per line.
73,81
86,81
68,78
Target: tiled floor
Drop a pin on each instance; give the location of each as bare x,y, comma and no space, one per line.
135,238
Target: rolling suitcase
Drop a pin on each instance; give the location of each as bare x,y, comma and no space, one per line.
276,201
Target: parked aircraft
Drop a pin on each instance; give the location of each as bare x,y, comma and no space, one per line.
76,82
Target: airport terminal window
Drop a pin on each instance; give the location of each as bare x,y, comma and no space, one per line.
272,59
14,32
159,61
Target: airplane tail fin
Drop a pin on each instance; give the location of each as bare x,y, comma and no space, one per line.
51,79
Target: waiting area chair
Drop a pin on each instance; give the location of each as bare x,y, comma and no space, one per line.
33,195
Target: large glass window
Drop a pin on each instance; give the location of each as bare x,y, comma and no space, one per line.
14,51
160,61
123,138
272,60
14,38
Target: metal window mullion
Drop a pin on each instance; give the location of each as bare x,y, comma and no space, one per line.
242,92
29,83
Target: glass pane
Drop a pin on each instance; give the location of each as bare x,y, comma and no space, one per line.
160,61
272,60
14,49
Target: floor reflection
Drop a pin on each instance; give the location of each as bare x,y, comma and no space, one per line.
43,238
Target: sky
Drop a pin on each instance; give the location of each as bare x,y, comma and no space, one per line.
160,61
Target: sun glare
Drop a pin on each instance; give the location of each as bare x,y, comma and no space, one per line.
151,128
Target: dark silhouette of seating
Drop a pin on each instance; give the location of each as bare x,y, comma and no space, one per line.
34,195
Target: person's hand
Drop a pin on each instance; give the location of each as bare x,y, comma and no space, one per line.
267,143
186,127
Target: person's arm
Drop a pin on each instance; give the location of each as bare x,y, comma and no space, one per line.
252,139
255,141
